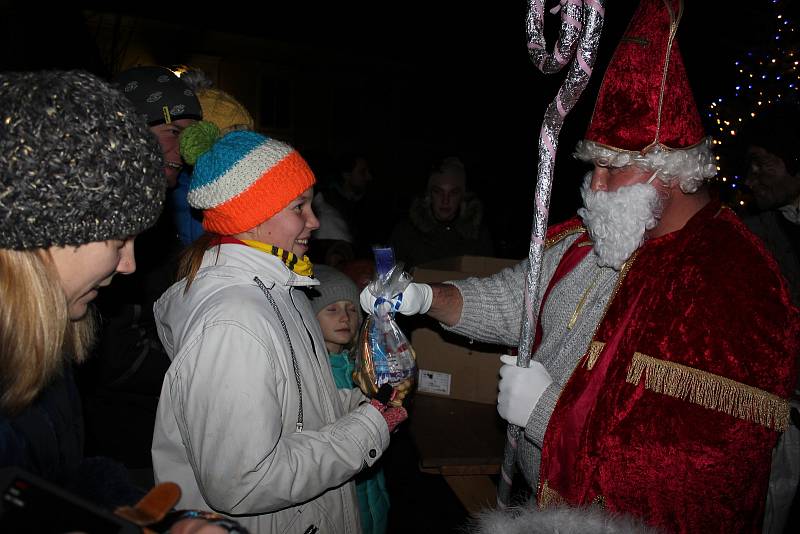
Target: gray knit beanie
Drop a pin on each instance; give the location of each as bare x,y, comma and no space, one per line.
333,286
77,164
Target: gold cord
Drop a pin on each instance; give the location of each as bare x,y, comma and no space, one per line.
579,307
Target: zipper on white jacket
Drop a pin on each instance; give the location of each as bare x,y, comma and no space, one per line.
295,367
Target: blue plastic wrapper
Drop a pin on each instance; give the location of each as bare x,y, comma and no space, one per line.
383,354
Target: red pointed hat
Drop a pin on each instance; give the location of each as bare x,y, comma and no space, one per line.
645,98
645,105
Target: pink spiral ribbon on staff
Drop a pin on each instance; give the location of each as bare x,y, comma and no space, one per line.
577,44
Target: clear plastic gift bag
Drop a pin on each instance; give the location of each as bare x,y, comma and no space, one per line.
383,354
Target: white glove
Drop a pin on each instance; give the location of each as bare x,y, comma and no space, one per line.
417,298
520,389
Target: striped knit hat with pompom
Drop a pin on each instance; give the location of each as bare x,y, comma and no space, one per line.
241,179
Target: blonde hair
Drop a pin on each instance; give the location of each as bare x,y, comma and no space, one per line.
36,334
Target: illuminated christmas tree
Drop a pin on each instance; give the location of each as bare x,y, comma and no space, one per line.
764,75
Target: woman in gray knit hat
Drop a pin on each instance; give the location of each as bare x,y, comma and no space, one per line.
80,176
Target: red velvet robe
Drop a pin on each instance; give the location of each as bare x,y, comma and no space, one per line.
672,413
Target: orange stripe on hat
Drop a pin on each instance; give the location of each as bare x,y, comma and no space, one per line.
272,192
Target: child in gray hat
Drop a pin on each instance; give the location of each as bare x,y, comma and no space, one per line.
335,302
336,305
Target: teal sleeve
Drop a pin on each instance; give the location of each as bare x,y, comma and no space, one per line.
373,498
373,501
342,368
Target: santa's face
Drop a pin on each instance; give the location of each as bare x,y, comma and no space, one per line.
606,178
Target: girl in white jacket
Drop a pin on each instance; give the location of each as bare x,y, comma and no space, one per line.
250,423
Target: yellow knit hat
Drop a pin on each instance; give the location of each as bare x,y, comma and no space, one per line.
223,110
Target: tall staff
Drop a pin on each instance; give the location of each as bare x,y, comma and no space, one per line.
579,37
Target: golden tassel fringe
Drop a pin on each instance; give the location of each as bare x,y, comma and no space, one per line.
593,353
710,391
549,497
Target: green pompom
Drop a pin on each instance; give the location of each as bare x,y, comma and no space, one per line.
197,139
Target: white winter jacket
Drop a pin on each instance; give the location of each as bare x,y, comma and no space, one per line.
249,369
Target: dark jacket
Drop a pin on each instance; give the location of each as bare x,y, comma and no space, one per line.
422,238
46,439
782,239
121,382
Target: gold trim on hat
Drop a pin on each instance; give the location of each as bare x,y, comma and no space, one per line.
673,29
674,22
648,148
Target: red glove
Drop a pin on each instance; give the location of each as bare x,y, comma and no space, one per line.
393,415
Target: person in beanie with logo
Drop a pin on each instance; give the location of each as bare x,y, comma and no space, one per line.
665,350
250,422
79,179
122,382
335,303
166,104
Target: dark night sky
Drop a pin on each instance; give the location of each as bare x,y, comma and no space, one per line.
473,81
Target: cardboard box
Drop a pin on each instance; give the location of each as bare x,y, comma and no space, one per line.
451,365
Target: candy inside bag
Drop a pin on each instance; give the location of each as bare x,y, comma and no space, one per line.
383,354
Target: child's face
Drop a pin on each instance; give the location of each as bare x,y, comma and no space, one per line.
291,227
339,322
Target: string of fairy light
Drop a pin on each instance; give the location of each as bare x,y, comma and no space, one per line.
764,76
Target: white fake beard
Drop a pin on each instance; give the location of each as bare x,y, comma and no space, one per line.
617,221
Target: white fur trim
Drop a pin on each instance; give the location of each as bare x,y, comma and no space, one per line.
561,519
691,166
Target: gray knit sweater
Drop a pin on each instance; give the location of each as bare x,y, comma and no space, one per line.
500,297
